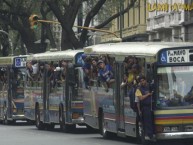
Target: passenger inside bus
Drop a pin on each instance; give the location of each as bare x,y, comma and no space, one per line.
86,69
106,74
29,71
174,88
189,97
41,70
3,77
132,71
63,68
94,68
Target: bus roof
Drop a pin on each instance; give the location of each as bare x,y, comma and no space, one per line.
10,60
6,60
132,48
57,55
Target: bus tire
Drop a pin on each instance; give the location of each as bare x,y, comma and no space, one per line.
39,123
5,121
50,126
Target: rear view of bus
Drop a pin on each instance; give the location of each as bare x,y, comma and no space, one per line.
12,76
53,93
174,104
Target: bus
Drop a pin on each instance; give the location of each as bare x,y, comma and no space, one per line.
110,109
53,93
12,77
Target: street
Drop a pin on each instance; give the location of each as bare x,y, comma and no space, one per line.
24,134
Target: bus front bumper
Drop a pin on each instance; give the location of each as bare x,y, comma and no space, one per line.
174,135
80,120
18,117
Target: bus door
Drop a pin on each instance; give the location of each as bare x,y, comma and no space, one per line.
10,93
70,91
119,97
18,89
46,92
79,83
77,97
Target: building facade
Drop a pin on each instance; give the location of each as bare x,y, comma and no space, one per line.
166,20
132,25
188,24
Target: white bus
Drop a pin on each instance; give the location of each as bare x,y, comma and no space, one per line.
53,93
12,77
108,107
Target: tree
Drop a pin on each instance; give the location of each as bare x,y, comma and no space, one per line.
15,15
66,14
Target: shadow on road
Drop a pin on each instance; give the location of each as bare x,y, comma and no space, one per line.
19,123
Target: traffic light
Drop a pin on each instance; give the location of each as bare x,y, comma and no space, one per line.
33,19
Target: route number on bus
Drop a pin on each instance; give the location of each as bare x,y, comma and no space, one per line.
175,56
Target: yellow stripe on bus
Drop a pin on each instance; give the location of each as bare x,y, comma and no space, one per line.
157,112
174,121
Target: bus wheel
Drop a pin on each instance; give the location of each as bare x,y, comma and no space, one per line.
39,124
5,121
50,126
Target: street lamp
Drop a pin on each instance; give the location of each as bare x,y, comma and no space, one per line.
4,32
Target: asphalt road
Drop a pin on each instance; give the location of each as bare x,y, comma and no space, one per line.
24,134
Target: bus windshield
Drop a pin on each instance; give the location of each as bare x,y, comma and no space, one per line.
175,86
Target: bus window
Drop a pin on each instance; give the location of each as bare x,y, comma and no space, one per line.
18,83
175,86
63,65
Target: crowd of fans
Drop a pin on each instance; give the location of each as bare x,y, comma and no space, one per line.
55,72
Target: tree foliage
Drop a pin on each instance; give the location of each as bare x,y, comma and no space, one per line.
15,14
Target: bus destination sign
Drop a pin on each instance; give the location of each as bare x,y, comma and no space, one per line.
174,56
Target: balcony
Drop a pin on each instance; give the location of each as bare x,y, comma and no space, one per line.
176,19
158,22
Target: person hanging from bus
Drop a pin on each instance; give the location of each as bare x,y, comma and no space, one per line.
105,74
94,68
87,69
3,77
41,70
144,94
63,68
